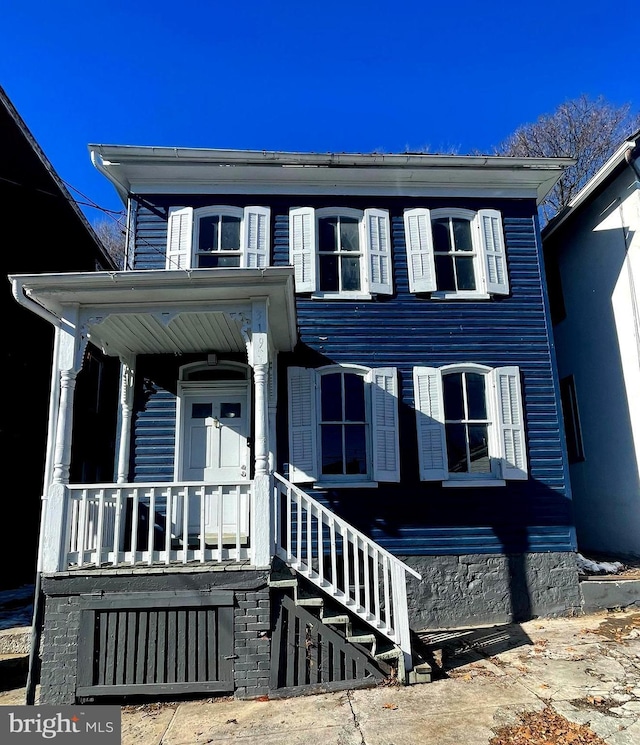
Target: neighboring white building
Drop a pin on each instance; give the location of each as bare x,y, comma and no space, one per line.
592,251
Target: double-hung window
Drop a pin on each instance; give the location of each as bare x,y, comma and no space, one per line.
343,425
456,253
341,252
217,236
470,424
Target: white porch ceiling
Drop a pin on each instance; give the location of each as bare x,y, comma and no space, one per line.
187,332
155,312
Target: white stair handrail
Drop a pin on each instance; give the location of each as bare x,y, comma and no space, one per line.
370,581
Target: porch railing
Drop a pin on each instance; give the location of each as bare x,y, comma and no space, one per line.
345,563
159,523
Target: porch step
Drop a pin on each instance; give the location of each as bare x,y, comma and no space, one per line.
332,614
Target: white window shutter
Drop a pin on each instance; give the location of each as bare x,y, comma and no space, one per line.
384,424
420,259
494,252
429,405
302,247
179,238
255,237
510,422
378,248
303,458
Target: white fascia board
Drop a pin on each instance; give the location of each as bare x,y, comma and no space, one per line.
100,291
178,170
594,183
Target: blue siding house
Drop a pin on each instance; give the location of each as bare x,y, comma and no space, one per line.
338,392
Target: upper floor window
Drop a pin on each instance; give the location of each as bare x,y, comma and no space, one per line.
470,424
218,236
456,253
341,252
343,425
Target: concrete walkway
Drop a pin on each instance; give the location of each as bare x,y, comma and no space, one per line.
586,668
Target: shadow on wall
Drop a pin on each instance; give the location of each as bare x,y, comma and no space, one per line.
469,531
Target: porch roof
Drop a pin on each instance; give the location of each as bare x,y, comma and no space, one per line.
156,311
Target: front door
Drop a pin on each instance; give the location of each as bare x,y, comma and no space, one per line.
215,436
214,449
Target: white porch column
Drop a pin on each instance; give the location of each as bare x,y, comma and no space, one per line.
125,412
70,350
62,457
261,519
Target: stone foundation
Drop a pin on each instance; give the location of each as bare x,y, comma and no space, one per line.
478,589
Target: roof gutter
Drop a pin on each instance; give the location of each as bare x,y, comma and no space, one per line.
22,298
100,164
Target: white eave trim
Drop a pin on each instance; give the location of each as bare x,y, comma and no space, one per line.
147,170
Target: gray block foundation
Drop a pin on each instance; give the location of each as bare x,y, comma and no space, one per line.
478,589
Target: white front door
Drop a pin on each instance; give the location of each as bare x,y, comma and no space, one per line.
215,436
214,448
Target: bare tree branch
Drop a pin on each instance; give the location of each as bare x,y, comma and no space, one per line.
112,233
583,128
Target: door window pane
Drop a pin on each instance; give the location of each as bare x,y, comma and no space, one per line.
230,410
201,411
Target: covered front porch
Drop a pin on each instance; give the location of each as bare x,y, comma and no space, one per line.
194,482
193,485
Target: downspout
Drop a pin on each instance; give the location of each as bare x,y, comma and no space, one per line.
17,289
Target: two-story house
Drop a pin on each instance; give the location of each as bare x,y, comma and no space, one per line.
338,394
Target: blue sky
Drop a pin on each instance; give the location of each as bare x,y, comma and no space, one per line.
349,76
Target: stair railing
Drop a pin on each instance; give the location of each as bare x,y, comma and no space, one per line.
346,564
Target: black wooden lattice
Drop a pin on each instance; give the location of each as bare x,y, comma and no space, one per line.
308,655
156,643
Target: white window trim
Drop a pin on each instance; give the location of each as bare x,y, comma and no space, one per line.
480,259
208,211
182,238
501,470
310,282
312,472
